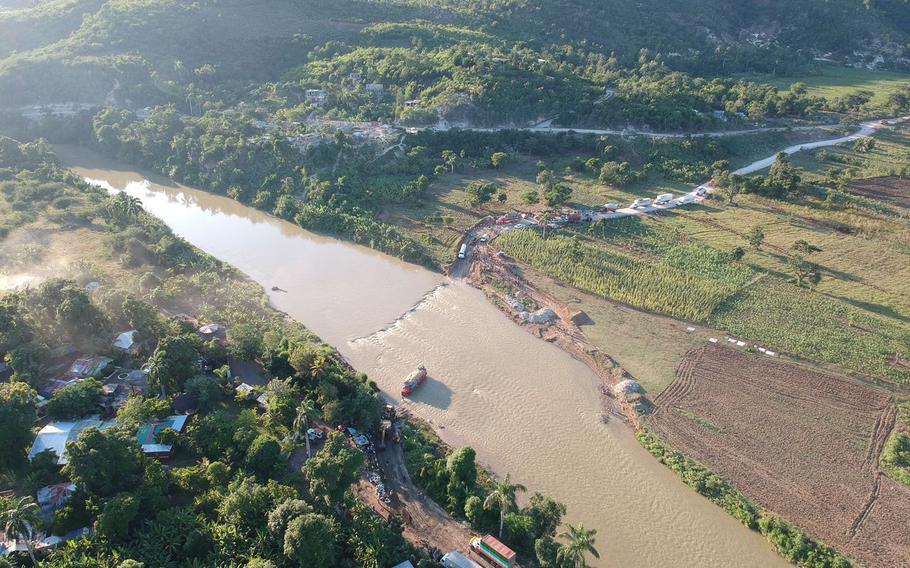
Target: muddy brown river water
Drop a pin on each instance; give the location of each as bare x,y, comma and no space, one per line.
528,408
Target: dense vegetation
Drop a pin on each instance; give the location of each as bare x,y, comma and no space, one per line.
230,498
793,544
452,479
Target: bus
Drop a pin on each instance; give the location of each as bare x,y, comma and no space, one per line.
463,251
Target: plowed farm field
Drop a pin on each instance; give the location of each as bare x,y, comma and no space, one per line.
890,189
800,443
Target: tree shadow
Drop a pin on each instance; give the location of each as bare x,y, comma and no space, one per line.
878,309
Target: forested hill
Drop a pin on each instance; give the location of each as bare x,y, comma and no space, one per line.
77,48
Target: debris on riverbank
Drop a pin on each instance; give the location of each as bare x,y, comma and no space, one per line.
500,278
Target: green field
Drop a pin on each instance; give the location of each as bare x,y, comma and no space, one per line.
837,81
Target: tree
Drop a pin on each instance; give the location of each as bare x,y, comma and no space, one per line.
332,471
733,187
462,473
19,522
310,541
76,400
245,341
557,194
542,221
121,209
617,173
104,462
804,247
143,317
17,416
451,159
546,514
782,177
283,514
531,197
498,159
281,402
803,270
756,237
264,456
114,521
306,411
503,498
138,410
502,197
206,390
175,360
546,179
29,361
481,192
580,541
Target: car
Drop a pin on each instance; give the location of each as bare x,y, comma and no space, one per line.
484,238
611,207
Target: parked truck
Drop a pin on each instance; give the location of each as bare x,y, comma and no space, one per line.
641,202
456,559
463,251
664,198
493,551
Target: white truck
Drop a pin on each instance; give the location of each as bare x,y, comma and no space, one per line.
686,199
641,202
456,559
664,198
463,251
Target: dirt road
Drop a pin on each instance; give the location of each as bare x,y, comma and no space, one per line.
426,524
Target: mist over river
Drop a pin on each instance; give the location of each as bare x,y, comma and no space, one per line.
528,408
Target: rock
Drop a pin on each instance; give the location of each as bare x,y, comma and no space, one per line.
627,389
543,315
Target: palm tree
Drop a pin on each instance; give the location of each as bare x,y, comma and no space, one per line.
503,496
543,219
305,412
580,542
122,208
320,365
19,523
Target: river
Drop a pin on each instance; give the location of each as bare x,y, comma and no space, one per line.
528,408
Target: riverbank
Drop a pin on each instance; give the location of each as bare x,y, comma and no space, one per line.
491,383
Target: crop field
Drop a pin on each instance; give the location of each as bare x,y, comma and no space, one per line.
653,286
838,80
800,443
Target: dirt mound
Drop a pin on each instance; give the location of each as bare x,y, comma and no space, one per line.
800,443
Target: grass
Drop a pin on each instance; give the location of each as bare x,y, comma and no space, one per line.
837,81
